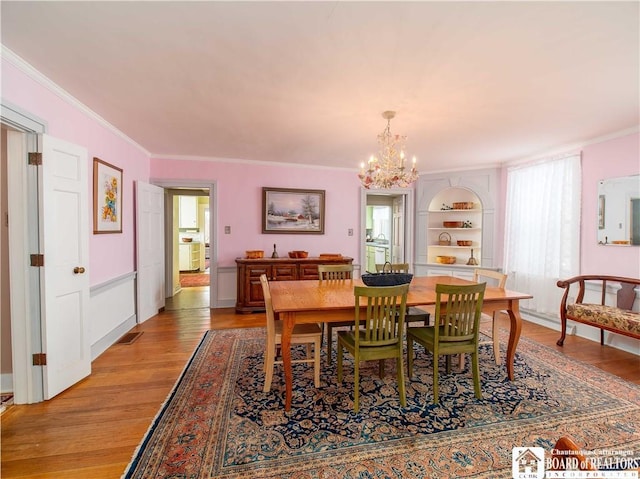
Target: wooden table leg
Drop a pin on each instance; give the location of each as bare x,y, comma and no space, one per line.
288,322
514,335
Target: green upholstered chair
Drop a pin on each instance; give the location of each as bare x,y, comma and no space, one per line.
414,313
307,334
334,272
459,309
378,335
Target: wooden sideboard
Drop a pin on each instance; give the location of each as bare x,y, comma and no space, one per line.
250,297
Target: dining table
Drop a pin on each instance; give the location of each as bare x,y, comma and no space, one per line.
308,301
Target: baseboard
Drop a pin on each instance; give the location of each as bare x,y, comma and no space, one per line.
106,341
591,333
547,321
228,303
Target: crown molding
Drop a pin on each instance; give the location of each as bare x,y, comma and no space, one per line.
35,75
215,159
571,148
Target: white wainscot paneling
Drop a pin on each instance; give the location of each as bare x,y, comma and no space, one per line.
112,312
226,281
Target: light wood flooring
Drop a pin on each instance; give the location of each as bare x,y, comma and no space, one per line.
91,430
193,297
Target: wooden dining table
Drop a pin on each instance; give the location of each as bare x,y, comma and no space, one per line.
298,302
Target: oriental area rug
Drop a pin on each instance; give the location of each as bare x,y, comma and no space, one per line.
217,422
188,280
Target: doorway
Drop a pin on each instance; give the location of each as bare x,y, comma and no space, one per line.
387,228
190,245
191,291
21,303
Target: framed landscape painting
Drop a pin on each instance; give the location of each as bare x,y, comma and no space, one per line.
107,197
288,210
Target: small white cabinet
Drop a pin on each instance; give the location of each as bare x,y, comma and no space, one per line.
189,256
188,207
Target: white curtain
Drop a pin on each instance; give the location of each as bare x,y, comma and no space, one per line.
542,229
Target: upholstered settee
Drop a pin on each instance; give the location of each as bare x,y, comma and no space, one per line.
618,319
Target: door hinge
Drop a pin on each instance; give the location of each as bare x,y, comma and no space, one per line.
35,158
39,359
37,260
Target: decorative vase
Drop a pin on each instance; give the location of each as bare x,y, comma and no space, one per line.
275,253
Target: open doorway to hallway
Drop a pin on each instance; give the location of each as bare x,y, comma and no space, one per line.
189,226
387,234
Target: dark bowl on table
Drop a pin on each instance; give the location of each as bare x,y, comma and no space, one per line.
386,279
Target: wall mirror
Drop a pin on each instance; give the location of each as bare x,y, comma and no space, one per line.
619,211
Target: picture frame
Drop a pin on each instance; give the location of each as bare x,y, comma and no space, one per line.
601,206
107,197
293,211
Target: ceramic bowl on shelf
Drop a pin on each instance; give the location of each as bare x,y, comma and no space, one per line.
187,240
298,254
463,205
464,242
453,224
445,259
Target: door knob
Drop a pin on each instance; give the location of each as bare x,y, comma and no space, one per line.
78,270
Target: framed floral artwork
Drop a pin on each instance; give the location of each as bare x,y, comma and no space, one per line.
107,197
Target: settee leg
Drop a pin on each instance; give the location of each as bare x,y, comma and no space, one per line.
563,328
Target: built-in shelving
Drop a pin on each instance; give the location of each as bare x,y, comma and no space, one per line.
441,210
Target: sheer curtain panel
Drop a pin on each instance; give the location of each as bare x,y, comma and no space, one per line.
542,229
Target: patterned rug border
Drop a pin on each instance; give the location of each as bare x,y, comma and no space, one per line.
163,407
608,384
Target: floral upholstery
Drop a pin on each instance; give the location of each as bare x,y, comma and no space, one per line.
608,316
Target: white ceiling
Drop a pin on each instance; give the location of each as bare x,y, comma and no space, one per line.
473,83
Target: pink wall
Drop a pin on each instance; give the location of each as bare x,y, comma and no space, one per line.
239,188
111,255
608,159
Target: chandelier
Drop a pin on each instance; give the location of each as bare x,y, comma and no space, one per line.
388,169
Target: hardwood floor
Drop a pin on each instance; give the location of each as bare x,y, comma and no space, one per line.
189,298
91,430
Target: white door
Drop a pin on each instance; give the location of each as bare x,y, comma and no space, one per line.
397,244
149,250
64,242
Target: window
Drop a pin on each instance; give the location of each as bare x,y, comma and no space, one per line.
542,229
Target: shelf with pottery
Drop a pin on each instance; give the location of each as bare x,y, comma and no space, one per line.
454,231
